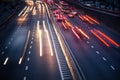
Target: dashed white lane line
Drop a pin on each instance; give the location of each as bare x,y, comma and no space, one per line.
30,47
24,78
11,39
29,52
92,46
88,42
32,38
104,58
9,43
31,42
26,68
113,68
97,52
6,47
28,59
2,52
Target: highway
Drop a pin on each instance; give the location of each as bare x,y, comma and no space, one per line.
31,45
96,61
29,48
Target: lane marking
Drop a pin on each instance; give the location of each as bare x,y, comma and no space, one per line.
97,52
29,52
92,46
112,67
104,58
26,68
31,42
6,60
2,52
88,42
6,47
30,47
25,78
28,59
9,43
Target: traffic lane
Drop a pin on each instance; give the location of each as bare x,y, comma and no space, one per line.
11,70
90,60
41,66
114,54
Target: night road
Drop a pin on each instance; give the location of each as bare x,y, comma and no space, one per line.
56,41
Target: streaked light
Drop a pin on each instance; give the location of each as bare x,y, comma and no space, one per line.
108,38
92,19
83,33
44,26
75,33
34,11
20,60
51,51
87,19
103,41
22,11
64,25
6,60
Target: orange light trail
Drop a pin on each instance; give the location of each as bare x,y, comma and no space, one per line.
75,33
92,19
81,17
68,23
108,38
87,19
100,38
64,25
83,33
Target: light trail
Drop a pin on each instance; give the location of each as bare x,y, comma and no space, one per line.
75,33
92,19
6,60
48,36
40,37
22,11
83,33
34,11
64,25
88,20
108,38
103,41
44,26
25,48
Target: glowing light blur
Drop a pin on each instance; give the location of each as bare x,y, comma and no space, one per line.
103,41
93,19
75,33
6,60
108,38
83,33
